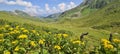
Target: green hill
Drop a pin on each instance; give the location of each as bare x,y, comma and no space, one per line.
86,8
105,18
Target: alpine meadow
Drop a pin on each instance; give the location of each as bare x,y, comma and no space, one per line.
61,27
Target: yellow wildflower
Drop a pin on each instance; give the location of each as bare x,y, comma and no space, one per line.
1,35
41,41
32,43
11,29
77,42
16,31
65,35
17,48
22,28
1,40
22,36
14,42
25,31
59,35
108,46
116,40
57,47
105,41
7,52
12,32
17,27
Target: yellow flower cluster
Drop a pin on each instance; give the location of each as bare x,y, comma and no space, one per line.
65,35
59,35
11,29
116,40
16,31
57,47
78,42
41,41
1,40
7,52
17,48
32,43
25,31
22,28
107,44
105,41
33,31
14,42
1,35
22,36
17,27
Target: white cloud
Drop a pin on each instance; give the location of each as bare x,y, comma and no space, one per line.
71,5
24,3
2,1
29,7
33,11
17,2
10,2
62,6
47,7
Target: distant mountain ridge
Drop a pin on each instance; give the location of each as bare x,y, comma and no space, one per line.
55,15
19,13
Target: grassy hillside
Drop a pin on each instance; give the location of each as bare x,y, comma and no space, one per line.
106,18
86,8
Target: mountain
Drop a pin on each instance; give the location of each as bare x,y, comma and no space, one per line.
19,13
55,15
106,17
85,8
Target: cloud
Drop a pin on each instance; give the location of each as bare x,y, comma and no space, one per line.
29,7
62,6
10,2
33,11
17,2
2,1
47,7
71,5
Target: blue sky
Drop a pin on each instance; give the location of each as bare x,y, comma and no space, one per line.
39,7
